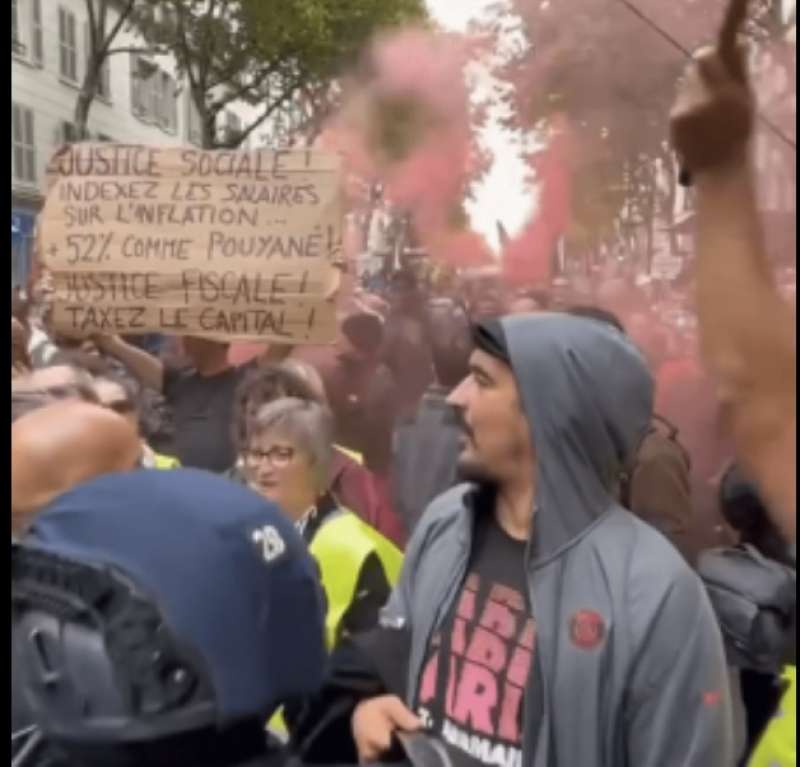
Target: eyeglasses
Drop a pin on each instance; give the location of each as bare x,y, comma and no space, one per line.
279,457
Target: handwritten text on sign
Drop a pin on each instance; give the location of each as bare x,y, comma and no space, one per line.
220,244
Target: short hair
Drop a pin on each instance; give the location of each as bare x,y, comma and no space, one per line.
310,375
26,399
260,386
450,336
128,386
308,424
24,402
365,331
739,501
596,313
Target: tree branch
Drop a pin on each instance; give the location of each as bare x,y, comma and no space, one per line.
153,50
90,11
285,95
256,83
123,16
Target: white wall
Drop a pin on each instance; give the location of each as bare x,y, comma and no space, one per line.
52,99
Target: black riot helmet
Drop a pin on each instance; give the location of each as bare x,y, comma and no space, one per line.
161,618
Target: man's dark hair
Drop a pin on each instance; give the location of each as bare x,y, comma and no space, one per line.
24,401
596,313
364,331
739,501
260,386
742,508
489,336
130,389
450,340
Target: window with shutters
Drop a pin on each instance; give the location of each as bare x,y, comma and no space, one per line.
37,33
232,126
23,146
145,89
67,45
167,109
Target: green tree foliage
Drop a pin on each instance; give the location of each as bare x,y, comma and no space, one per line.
284,57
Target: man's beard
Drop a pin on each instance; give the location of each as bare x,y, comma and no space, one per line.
469,470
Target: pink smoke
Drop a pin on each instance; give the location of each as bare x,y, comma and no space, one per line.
528,258
431,180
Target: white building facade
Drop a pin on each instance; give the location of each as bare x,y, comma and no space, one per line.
49,44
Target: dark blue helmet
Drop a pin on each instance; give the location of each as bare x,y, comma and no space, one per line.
150,604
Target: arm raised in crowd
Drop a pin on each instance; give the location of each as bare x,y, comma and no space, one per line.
146,368
747,330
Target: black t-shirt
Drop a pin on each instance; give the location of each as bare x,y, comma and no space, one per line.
472,685
203,411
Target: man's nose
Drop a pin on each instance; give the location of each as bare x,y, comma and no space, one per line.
458,397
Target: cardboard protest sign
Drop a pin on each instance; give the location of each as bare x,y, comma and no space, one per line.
237,245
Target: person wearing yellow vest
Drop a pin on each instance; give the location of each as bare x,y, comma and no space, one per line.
286,458
778,745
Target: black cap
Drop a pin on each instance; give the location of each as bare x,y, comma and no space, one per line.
489,337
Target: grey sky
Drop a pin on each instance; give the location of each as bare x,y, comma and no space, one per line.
503,196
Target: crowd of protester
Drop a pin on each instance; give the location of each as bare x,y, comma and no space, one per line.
219,562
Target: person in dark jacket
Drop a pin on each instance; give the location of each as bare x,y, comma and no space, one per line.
426,446
159,618
656,486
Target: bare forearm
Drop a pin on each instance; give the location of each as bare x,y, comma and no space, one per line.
148,370
744,322
748,331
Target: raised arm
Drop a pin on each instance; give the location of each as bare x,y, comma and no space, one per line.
747,330
147,369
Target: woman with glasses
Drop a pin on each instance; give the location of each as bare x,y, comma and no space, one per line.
286,458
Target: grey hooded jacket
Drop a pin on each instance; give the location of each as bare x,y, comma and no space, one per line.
653,691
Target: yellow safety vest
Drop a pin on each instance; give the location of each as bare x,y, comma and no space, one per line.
164,462
357,457
340,547
777,747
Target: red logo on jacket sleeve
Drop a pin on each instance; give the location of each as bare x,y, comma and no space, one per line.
587,629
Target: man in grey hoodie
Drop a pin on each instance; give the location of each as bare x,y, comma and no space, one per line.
548,626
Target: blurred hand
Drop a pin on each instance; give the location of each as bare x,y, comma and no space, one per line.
712,119
102,343
375,721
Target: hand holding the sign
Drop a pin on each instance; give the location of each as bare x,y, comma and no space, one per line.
712,119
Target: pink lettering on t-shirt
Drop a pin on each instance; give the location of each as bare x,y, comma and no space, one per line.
476,698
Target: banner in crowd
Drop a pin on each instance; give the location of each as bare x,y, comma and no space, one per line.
226,244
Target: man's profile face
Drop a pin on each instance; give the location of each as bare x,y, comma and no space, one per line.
497,443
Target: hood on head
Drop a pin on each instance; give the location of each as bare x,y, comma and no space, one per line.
588,397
